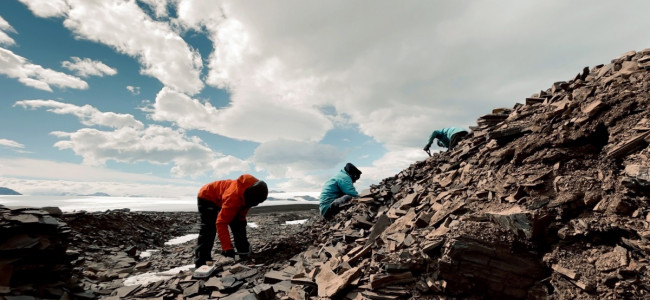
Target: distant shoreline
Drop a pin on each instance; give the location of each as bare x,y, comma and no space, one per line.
283,208
264,209
100,204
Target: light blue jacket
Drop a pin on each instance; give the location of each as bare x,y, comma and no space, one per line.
444,135
339,185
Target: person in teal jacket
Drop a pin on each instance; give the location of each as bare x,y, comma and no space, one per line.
338,190
447,137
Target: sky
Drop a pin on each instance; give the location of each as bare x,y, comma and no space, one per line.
158,97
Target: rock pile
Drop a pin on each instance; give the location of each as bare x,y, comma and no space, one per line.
548,199
34,256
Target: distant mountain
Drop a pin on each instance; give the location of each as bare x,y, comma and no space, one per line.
307,198
275,199
8,191
98,194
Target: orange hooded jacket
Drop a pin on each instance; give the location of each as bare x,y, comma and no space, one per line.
229,195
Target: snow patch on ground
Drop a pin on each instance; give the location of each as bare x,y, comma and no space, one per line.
148,253
182,239
150,277
295,222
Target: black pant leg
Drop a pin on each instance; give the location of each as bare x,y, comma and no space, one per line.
335,207
456,138
208,212
238,228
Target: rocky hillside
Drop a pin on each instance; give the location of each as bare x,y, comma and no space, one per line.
548,199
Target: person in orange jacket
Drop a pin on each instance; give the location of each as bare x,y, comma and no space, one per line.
223,204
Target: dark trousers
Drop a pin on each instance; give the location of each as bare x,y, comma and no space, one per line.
209,212
335,207
456,138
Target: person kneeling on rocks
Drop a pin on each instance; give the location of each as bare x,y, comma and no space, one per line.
447,137
338,190
224,204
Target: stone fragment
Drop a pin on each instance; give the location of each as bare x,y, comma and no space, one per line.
612,260
276,276
566,272
447,208
381,280
515,219
241,295
534,100
264,292
629,145
593,108
192,290
380,225
297,293
330,284
125,291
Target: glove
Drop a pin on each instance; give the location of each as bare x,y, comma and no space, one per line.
228,253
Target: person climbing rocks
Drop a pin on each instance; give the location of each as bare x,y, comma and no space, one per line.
447,137
338,190
223,204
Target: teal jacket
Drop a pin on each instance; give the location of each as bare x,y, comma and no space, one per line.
335,187
444,135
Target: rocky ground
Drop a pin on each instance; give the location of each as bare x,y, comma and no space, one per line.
111,244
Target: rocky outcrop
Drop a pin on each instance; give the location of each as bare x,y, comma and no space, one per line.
34,256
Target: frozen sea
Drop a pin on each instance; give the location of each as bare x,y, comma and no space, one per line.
103,203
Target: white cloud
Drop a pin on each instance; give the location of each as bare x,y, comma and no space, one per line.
257,119
281,158
4,37
154,144
47,8
15,66
227,164
135,90
162,53
132,142
11,144
88,67
198,13
88,115
400,71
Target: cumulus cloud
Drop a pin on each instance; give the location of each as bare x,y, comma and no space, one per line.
11,144
4,37
162,53
399,70
227,164
135,90
16,66
47,8
132,142
281,158
88,67
258,120
87,114
154,144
